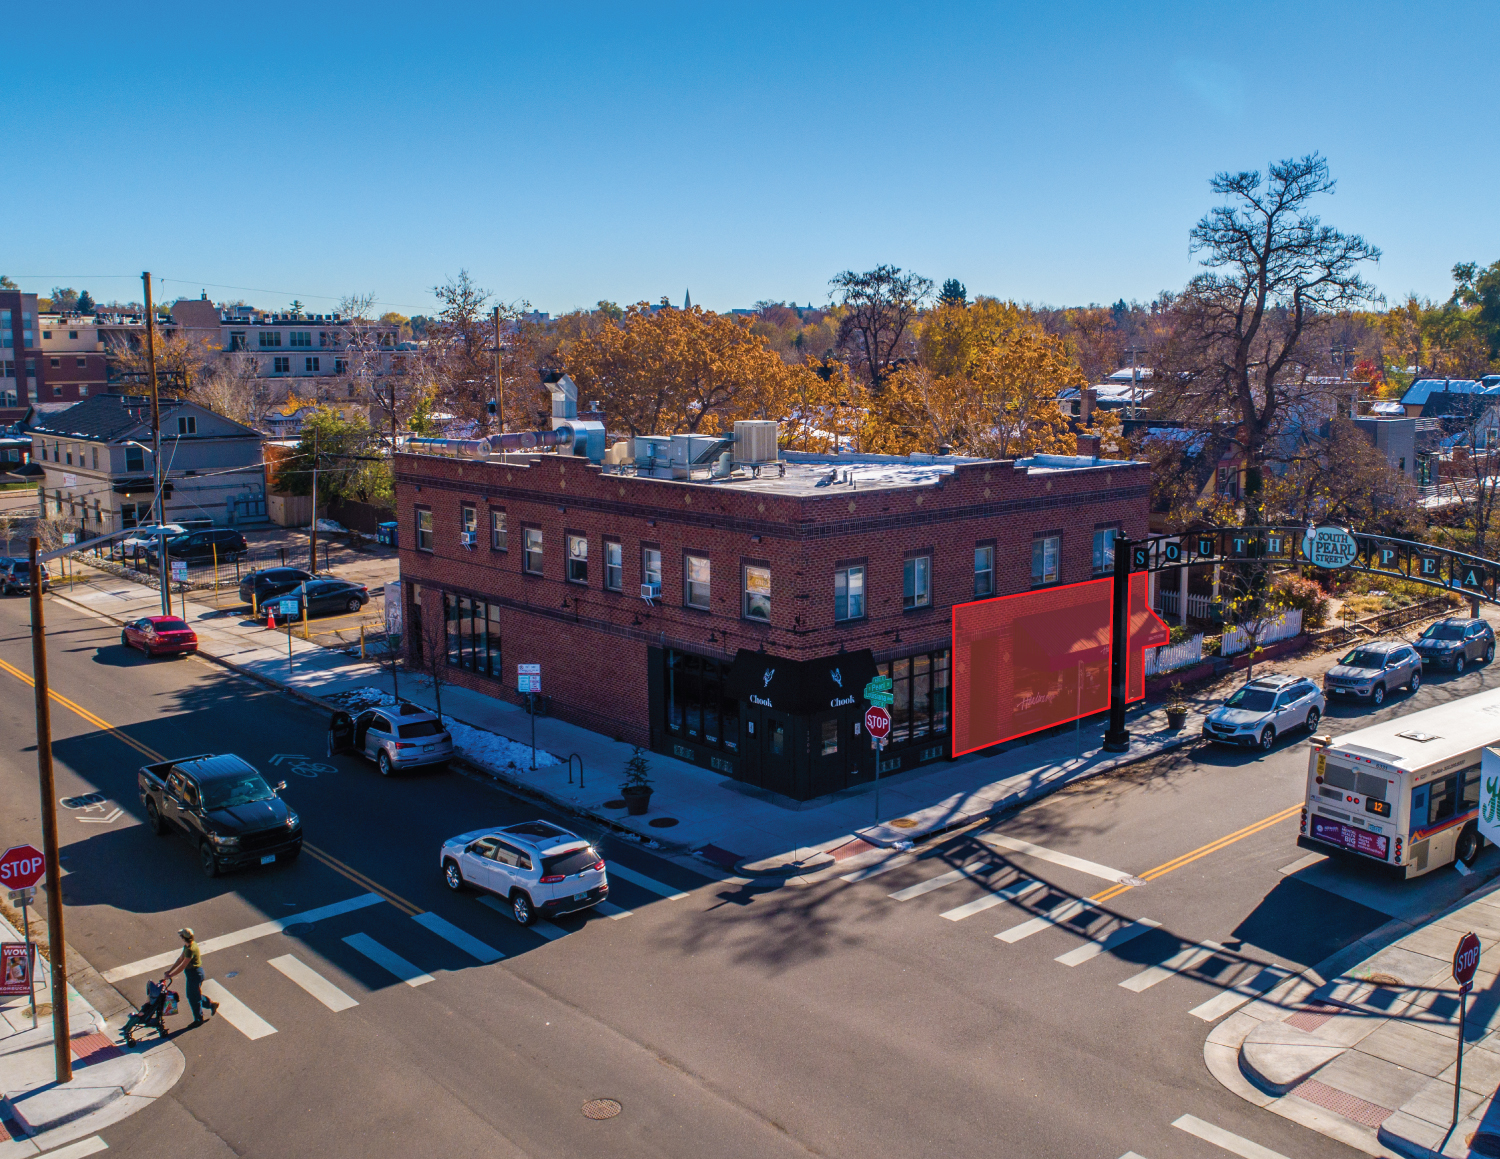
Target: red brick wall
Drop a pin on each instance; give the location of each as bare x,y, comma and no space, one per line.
593,651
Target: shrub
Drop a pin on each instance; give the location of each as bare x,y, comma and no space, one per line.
1305,595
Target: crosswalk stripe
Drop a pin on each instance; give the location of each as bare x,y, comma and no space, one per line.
645,882
538,925
466,942
1234,1144
885,866
1187,958
313,982
1131,1155
973,869
609,909
1115,939
387,959
249,933
1235,997
90,1146
1062,912
1010,893
1067,860
236,1013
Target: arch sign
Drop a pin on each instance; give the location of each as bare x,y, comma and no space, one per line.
1329,547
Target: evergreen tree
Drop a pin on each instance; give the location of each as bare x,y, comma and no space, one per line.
953,293
85,303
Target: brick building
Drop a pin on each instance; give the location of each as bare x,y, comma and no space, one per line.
731,616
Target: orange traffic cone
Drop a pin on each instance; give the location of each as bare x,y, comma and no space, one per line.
270,620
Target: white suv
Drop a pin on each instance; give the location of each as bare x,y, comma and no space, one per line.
542,869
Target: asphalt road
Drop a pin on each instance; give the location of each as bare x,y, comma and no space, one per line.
828,1020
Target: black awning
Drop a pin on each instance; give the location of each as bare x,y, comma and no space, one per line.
800,687
143,486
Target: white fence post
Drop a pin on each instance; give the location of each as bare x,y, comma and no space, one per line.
1170,657
1283,627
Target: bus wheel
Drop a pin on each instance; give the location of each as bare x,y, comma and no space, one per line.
1467,848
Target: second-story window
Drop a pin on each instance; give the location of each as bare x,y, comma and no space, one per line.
651,566
614,566
270,339
135,459
695,581
187,425
424,530
578,559
1104,548
849,593
916,582
312,365
497,531
1044,553
469,523
94,457
757,593
984,571
282,364
533,544
301,339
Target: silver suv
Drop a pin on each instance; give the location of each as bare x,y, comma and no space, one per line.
1455,643
1374,669
402,736
542,869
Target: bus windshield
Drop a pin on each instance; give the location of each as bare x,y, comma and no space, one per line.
1252,700
1364,658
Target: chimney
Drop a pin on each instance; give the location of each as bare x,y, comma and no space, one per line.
1088,445
1086,399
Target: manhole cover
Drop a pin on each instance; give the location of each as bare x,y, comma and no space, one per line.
1132,881
902,823
662,822
601,1109
614,804
1384,980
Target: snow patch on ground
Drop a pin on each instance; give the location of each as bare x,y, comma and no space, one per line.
483,748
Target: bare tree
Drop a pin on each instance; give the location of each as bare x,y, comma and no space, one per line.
232,387
1274,275
461,353
435,653
879,306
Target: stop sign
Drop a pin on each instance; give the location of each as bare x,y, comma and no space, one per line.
878,721
21,867
1466,960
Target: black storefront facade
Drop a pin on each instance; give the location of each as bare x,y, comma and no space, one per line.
795,727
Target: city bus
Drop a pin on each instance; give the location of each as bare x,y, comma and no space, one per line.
1405,793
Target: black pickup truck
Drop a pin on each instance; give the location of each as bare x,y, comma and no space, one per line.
224,807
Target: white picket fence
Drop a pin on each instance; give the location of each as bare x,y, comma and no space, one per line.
1284,627
1170,657
1199,607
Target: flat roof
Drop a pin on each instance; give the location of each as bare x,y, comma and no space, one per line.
1458,727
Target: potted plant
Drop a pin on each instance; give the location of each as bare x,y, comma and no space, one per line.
637,787
1177,708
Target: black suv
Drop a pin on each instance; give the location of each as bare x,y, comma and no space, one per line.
200,546
268,582
1455,643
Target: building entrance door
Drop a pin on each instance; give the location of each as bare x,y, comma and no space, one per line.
777,767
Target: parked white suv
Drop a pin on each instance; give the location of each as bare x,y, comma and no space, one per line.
542,869
1267,707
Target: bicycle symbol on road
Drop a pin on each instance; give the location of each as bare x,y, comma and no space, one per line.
95,804
301,766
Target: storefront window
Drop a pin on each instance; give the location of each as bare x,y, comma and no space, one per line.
696,705
473,634
830,736
919,686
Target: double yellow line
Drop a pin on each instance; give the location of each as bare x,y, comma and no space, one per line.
155,757
1188,858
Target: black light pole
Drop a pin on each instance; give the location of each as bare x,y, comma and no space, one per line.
1117,739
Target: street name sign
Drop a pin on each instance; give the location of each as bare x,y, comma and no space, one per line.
21,866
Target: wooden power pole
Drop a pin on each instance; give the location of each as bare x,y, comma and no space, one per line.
499,382
161,502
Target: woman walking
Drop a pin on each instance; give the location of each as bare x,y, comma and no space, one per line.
190,965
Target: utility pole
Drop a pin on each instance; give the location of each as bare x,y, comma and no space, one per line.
161,503
1117,737
499,382
314,566
62,1047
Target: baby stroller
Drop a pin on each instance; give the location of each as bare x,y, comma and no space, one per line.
160,1002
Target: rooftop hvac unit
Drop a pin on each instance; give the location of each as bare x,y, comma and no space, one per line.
755,441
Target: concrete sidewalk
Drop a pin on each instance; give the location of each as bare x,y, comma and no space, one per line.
110,1082
1363,1047
692,809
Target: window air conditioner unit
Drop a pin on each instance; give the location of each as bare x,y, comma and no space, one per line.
651,591
468,538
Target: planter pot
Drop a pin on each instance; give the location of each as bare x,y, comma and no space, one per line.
637,801
1176,718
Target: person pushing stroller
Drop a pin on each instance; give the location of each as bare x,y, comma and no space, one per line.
160,1002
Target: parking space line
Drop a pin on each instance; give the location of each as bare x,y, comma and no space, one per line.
1187,958
973,869
1066,860
538,925
387,959
640,879
1116,938
610,910
464,941
248,934
236,1013
1228,1140
1012,891
313,982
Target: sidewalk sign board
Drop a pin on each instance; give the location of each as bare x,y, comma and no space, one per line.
15,968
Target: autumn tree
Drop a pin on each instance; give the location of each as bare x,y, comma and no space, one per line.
181,361
1274,274
879,307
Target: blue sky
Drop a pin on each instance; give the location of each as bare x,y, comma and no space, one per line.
1054,153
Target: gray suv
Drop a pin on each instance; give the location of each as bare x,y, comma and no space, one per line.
1455,643
402,736
1374,669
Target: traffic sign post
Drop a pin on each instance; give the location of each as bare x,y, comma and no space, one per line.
21,867
878,725
529,681
288,609
1465,963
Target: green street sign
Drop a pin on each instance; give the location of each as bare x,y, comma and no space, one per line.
884,699
878,684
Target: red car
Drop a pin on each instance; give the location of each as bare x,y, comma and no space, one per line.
159,636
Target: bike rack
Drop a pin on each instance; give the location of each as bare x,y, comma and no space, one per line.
571,758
